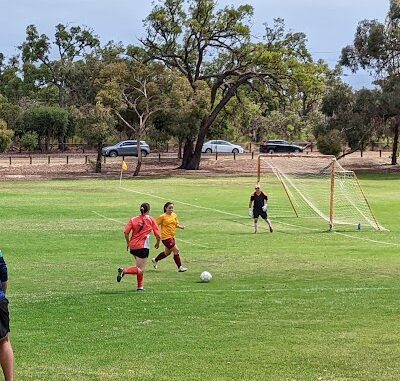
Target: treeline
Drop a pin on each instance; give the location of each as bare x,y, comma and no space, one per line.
198,74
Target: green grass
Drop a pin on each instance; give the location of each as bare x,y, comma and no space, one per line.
298,304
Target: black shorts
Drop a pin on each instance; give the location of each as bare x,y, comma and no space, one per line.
140,253
259,212
4,319
3,271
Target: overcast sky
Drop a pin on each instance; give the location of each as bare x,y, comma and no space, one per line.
329,25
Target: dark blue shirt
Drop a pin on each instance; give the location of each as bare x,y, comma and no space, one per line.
3,275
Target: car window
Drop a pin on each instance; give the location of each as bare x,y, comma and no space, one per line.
126,144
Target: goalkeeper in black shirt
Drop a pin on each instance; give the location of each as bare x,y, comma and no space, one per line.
258,207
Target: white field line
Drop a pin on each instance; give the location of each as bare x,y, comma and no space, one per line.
184,203
343,234
120,222
47,295
283,223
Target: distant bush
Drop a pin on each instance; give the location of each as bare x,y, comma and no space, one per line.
330,143
29,141
5,136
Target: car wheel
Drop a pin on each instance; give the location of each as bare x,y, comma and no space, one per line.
113,154
144,153
235,150
271,151
208,150
296,150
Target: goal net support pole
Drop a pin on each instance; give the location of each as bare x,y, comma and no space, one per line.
332,194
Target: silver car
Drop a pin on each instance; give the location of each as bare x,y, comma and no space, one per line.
221,146
126,148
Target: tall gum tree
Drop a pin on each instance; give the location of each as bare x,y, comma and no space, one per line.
207,44
54,65
376,48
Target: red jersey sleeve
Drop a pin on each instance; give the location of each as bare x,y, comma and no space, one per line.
128,227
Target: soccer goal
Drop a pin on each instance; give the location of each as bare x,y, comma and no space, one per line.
314,186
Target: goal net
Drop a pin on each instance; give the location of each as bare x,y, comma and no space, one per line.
314,186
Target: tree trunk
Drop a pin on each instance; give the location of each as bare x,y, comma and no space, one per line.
98,159
395,141
138,166
139,152
191,157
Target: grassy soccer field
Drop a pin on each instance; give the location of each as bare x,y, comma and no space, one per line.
300,304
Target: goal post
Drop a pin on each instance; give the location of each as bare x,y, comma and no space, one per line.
314,186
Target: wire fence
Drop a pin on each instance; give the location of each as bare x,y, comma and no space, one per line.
21,159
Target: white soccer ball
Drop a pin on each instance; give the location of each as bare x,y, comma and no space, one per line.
205,277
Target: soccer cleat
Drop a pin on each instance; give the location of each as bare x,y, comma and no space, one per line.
270,229
182,269
120,274
154,263
140,289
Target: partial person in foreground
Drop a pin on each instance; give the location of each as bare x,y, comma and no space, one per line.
258,207
6,351
169,222
137,235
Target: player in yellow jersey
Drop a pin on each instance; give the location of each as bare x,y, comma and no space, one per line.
168,222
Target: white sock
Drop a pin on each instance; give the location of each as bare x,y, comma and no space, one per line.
255,226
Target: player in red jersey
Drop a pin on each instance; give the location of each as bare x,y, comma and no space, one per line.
137,235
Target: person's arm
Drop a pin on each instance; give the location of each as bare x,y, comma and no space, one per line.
156,232
127,231
251,201
127,240
250,206
179,225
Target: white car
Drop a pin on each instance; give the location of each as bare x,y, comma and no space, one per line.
221,146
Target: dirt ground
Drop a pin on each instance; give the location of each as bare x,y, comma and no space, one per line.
82,166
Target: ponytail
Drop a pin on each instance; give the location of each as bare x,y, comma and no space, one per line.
144,208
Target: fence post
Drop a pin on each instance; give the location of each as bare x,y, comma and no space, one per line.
216,155
159,157
380,153
48,159
10,160
30,159
361,153
67,159
85,159
252,154
234,156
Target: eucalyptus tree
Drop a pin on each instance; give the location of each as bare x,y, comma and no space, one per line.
49,63
352,120
47,121
207,44
128,85
95,124
376,48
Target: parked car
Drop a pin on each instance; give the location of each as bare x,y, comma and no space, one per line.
126,148
221,146
279,146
